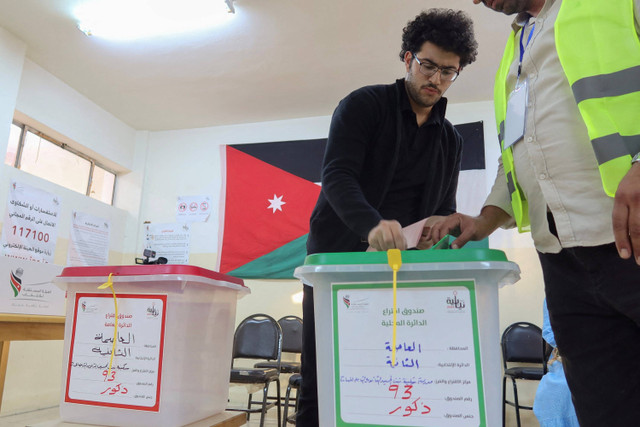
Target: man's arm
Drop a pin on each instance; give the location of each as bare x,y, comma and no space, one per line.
353,127
626,215
495,213
626,205
469,228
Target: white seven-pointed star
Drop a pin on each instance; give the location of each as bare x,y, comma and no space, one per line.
276,203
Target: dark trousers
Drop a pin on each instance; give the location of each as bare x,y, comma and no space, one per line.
593,298
307,415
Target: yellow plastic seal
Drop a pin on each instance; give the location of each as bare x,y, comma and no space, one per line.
109,284
394,258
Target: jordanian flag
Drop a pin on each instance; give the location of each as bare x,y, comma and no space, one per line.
271,189
16,284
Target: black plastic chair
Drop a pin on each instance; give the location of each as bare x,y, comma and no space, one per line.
295,381
522,343
291,343
258,336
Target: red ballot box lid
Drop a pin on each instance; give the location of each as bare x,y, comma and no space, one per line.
148,270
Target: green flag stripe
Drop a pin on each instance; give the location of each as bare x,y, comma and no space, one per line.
278,264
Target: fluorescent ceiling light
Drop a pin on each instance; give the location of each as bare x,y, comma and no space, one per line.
135,19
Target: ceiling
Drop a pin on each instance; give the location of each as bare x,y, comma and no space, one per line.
275,60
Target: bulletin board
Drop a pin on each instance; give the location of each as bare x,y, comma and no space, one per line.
436,380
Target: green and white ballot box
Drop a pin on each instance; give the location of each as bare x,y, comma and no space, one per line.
446,367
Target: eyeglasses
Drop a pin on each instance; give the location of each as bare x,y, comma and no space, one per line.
428,68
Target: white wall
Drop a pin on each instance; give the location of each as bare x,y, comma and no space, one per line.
77,120
36,97
12,53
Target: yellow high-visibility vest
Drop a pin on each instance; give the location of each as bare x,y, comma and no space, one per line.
599,51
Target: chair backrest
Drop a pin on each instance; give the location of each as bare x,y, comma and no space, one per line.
258,336
522,342
291,334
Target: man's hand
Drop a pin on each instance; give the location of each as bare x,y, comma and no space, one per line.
467,227
626,215
424,242
387,235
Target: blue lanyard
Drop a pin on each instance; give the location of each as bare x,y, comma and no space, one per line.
522,46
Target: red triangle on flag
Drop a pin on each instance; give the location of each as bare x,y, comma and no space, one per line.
265,208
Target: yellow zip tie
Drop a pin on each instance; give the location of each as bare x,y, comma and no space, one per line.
109,284
394,258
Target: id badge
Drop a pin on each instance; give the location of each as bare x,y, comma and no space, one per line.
514,125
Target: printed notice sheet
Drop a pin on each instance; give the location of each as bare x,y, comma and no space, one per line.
134,380
436,378
169,240
30,227
88,240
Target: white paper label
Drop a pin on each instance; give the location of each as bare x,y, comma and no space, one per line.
134,380
436,380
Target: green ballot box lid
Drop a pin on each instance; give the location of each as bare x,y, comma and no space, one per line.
408,257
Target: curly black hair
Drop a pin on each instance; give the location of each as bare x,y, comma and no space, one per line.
451,30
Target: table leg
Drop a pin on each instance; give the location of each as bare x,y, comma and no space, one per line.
4,358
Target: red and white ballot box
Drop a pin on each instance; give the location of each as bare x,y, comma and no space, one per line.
151,348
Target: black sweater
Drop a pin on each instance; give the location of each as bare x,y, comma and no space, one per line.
370,131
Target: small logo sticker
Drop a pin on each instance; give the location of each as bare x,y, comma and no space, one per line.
152,311
455,304
15,281
345,300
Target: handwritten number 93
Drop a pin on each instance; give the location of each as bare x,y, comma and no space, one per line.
108,377
406,395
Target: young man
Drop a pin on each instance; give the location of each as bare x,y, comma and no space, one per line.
391,159
569,174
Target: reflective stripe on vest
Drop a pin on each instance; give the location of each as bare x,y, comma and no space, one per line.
599,51
519,203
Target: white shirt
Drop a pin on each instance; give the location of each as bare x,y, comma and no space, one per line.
554,162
